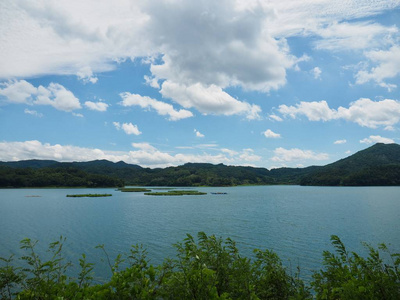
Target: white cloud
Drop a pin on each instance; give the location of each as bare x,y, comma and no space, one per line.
376,139
222,42
388,67
275,118
86,75
146,155
219,45
339,142
12,151
295,154
33,113
128,128
117,125
198,134
84,37
99,106
310,16
54,95
162,108
316,72
314,111
57,96
364,112
229,152
356,35
249,156
152,81
270,134
18,91
208,100
144,146
372,114
389,128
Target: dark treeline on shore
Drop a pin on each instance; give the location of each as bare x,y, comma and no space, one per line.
54,177
378,165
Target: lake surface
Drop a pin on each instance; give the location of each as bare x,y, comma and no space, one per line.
296,222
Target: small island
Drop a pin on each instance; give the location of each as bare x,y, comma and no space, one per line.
175,193
89,195
134,190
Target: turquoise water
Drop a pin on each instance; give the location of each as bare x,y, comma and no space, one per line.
296,222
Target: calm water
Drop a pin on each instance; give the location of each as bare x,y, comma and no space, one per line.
294,221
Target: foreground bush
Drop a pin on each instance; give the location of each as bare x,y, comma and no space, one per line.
209,268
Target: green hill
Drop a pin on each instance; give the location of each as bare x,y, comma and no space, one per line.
377,165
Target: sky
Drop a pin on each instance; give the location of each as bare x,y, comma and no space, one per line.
277,83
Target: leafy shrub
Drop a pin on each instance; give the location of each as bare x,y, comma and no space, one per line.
209,268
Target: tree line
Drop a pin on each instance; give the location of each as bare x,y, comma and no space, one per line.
54,177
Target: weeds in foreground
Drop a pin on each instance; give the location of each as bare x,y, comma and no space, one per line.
204,268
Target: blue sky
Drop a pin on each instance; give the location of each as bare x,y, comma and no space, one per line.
162,83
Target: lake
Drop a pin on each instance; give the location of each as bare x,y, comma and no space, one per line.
296,222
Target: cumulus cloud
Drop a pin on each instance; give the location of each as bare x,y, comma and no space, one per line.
55,95
152,81
198,133
364,112
229,151
208,100
144,154
270,134
339,142
239,49
314,111
387,67
99,106
376,139
222,43
162,108
128,128
295,154
18,91
316,72
249,156
144,147
86,75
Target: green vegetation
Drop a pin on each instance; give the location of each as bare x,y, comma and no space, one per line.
54,177
209,268
134,190
89,195
377,165
175,193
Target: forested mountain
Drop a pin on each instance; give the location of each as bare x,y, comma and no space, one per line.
377,165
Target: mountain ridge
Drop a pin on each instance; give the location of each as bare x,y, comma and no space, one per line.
376,165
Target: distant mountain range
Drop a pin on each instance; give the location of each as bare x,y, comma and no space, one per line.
377,165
